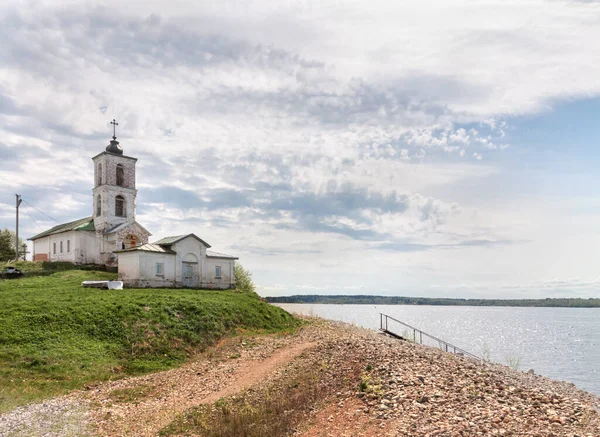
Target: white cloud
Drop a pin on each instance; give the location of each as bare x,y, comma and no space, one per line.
317,135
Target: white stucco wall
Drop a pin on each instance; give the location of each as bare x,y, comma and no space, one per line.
84,247
189,246
40,247
138,269
89,248
129,267
45,245
227,279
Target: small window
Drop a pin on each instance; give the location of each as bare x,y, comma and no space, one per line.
99,206
217,271
160,269
54,248
120,206
99,174
68,246
61,247
120,175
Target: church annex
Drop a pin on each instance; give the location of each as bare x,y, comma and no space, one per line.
112,232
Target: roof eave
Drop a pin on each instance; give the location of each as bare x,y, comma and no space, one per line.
183,237
166,252
130,223
113,154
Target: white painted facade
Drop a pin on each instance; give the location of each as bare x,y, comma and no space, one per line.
79,247
182,261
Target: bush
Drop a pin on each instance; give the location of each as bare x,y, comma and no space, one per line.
45,268
243,279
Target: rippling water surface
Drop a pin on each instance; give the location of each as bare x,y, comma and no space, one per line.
561,343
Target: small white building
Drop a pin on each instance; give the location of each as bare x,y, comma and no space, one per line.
112,237
182,261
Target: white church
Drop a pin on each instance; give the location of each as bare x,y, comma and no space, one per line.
112,237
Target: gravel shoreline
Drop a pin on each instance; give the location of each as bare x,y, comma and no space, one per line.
401,389
427,392
60,417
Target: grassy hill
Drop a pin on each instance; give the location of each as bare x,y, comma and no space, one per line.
56,335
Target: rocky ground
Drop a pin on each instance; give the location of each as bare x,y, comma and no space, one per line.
377,386
426,392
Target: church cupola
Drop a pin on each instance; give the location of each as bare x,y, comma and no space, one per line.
114,146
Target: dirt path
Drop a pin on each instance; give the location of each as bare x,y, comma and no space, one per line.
117,411
253,372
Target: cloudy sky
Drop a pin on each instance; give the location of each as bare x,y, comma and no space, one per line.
423,148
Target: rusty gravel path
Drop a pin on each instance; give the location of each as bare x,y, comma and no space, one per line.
174,391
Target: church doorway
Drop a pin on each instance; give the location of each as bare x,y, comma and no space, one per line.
189,271
190,277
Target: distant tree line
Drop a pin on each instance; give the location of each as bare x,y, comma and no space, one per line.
401,300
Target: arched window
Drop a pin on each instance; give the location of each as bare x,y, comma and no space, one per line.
98,205
120,175
99,178
120,206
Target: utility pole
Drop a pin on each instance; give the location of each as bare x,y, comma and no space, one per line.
19,200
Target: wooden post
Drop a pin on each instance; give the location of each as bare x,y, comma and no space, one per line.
19,200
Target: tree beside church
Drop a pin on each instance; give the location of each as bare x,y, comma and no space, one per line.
7,245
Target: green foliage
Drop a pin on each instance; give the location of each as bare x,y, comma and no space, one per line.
7,245
402,300
56,335
486,353
37,268
513,361
363,386
131,394
243,279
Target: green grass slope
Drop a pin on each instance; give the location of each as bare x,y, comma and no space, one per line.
56,335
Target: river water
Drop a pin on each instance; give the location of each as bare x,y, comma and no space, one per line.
561,343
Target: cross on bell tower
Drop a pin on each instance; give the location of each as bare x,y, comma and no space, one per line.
115,124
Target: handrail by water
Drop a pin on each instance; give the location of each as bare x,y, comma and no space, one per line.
443,344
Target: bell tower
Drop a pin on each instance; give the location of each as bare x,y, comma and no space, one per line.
114,186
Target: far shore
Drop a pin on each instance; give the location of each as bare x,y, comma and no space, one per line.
402,300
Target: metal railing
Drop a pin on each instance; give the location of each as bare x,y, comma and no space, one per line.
443,345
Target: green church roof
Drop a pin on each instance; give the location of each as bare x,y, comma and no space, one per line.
85,224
